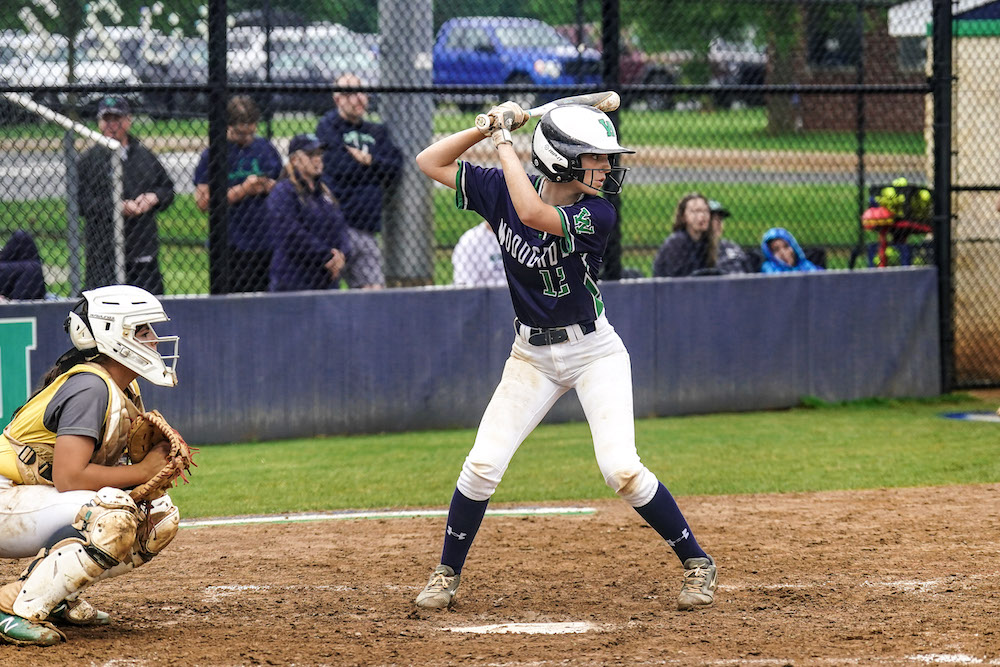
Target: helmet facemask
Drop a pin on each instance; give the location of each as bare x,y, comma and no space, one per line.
114,317
613,180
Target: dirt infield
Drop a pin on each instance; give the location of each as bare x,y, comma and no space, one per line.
897,576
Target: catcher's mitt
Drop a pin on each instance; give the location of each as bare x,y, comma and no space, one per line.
147,430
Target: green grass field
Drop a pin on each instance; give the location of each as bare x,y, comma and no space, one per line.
869,444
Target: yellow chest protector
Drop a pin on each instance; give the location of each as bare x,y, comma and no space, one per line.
33,445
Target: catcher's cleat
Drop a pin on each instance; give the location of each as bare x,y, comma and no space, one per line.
78,612
439,592
698,590
21,631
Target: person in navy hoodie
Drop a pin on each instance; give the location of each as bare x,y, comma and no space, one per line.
21,275
311,246
359,166
253,166
782,253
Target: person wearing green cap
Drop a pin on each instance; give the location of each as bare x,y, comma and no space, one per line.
147,189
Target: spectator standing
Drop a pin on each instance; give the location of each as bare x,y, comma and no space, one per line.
147,189
21,269
310,235
360,164
253,166
723,254
477,259
782,253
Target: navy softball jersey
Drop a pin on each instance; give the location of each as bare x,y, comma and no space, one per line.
552,279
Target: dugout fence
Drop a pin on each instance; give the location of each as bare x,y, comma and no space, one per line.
792,113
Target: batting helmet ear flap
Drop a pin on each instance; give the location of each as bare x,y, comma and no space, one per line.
78,329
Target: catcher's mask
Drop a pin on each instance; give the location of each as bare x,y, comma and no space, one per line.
107,320
566,133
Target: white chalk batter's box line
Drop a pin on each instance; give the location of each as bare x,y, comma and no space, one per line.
376,514
904,585
224,590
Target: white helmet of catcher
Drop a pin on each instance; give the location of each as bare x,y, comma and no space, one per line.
565,133
108,318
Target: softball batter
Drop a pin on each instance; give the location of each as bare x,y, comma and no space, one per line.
552,232
61,497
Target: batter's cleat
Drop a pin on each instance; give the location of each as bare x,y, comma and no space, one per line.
439,593
698,590
78,612
21,631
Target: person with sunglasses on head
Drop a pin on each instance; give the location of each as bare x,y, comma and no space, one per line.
64,496
553,230
311,247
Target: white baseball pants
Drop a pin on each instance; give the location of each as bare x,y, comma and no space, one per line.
31,514
597,365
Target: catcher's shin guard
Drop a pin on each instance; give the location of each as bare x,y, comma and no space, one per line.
105,530
157,527
158,524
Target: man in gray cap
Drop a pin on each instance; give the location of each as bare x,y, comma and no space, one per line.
729,257
146,190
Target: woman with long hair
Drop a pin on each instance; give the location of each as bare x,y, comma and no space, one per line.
310,234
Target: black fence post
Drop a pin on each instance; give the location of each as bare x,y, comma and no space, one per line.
610,75
941,82
861,251
218,210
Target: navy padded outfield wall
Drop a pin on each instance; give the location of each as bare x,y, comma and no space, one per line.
273,366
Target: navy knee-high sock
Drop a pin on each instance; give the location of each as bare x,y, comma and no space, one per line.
663,514
464,517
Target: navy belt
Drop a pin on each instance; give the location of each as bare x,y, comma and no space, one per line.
539,337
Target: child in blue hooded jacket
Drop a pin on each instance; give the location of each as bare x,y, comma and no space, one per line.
782,253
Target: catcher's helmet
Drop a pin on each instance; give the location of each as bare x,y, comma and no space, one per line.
565,133
106,319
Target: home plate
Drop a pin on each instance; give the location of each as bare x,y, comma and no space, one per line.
527,628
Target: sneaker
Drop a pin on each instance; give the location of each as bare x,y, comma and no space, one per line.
698,590
439,592
78,612
21,631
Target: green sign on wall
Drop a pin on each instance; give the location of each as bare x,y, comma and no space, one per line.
17,340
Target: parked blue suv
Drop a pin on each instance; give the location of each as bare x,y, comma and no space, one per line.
493,50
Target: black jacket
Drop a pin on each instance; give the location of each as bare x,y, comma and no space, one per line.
680,255
141,172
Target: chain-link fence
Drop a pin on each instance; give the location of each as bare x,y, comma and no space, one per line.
815,116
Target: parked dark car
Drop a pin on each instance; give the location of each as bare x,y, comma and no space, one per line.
295,69
742,63
635,66
182,61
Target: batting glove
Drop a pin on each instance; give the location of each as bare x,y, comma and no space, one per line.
501,135
519,115
494,120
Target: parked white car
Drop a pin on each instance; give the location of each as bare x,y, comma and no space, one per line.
332,48
38,64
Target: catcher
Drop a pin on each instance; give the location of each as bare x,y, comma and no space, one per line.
83,468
